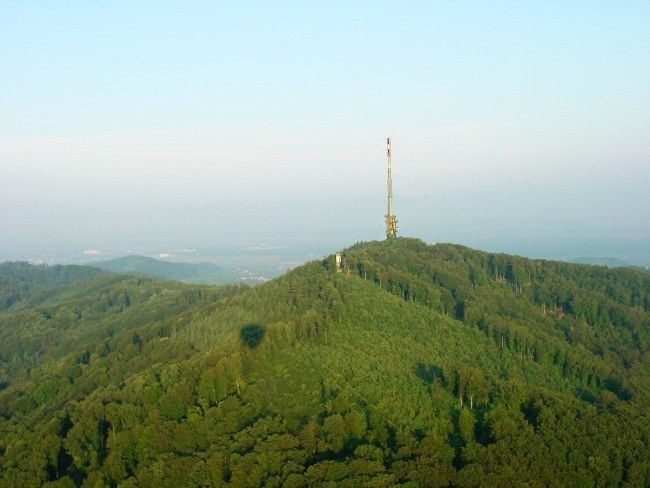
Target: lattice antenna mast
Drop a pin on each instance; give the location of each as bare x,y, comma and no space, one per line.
391,220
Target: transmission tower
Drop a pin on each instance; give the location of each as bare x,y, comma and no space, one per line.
391,220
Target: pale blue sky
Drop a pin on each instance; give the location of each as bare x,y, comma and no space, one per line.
245,121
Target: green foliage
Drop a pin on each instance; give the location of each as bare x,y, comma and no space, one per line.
422,366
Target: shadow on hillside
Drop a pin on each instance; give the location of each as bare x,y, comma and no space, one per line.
251,335
428,372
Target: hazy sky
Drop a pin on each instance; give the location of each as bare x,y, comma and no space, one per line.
220,122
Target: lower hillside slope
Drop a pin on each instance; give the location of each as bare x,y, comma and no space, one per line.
416,366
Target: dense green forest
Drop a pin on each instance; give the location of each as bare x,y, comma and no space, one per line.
416,365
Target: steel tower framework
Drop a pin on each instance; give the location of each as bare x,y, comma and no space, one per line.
391,220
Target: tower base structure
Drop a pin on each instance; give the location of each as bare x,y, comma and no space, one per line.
391,226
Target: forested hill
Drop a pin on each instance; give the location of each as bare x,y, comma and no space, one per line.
206,273
28,285
535,308
416,365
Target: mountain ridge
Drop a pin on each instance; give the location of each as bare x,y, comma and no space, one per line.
203,273
602,261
